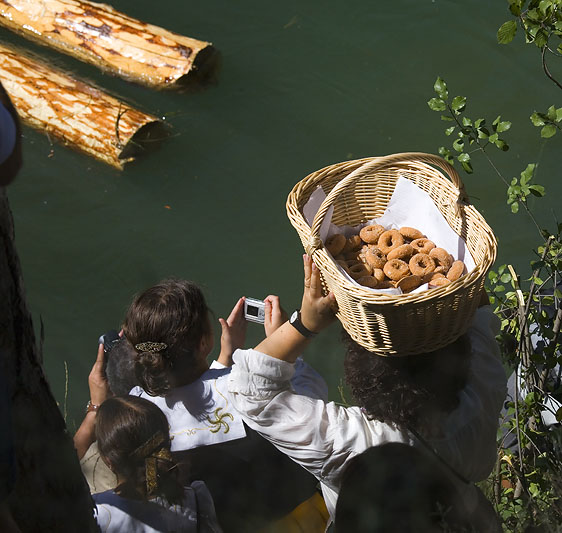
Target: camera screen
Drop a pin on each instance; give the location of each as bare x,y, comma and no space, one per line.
252,310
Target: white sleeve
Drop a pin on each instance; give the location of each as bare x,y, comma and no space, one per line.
308,382
471,429
319,436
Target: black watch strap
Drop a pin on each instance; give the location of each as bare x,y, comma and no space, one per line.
296,322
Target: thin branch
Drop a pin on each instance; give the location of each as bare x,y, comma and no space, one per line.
545,68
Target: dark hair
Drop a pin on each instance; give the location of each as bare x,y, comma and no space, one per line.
175,313
409,391
126,427
396,487
120,369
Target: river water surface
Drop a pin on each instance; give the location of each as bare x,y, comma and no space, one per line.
301,85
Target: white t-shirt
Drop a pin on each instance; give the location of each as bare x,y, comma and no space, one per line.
322,436
201,413
115,514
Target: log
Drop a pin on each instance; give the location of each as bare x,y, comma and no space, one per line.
77,114
114,42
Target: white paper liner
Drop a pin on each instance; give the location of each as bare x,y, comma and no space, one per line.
409,206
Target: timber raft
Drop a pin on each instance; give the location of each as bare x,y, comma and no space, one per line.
100,35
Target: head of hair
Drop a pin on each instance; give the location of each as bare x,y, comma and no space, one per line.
409,391
396,487
120,368
123,426
173,312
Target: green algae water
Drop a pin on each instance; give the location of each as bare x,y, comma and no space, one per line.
301,85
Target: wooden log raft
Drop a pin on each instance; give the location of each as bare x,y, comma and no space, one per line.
77,114
98,34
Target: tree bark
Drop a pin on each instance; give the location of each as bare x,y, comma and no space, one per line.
77,114
98,34
50,493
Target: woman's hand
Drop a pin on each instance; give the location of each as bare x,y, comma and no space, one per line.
317,311
97,381
275,315
233,334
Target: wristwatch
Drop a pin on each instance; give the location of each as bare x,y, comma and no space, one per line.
296,322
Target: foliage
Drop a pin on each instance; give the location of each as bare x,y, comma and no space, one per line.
527,484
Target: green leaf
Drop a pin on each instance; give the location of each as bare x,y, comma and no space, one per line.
541,38
441,88
437,104
545,5
515,7
527,174
559,414
450,130
559,114
458,145
537,190
514,207
458,103
502,145
503,126
506,32
537,119
447,118
548,131
466,121
464,160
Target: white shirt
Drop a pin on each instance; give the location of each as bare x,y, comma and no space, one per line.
322,437
116,514
202,413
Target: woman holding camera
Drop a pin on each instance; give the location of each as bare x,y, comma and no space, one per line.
445,403
170,329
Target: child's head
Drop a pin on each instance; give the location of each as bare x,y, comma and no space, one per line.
169,327
133,439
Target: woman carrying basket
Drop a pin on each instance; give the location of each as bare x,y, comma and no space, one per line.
443,405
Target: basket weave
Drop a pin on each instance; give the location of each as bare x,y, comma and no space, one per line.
359,191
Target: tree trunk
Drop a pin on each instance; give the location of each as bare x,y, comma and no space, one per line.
78,114
50,493
111,40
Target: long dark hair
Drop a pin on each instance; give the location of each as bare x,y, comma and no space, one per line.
172,313
133,437
409,391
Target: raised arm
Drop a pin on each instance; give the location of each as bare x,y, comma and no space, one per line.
233,333
99,392
286,342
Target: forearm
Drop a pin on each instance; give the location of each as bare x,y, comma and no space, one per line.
85,436
285,343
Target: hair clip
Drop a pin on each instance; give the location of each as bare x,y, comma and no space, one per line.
152,347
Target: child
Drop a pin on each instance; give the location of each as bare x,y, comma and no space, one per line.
152,492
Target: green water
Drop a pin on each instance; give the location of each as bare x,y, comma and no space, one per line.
301,85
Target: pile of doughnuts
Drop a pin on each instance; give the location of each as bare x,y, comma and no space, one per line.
403,258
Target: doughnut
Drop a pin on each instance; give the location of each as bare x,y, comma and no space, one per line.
353,243
367,281
421,264
386,284
441,257
409,283
403,252
355,255
423,245
335,243
358,270
396,269
410,233
432,275
371,234
378,273
456,271
438,282
375,257
389,240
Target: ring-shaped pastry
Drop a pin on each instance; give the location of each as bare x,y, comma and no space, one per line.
423,245
410,233
396,269
335,243
442,258
370,234
421,265
403,252
389,240
456,270
375,257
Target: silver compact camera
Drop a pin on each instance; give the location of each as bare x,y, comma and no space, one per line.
254,310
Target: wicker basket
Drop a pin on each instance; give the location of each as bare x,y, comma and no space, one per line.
359,191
